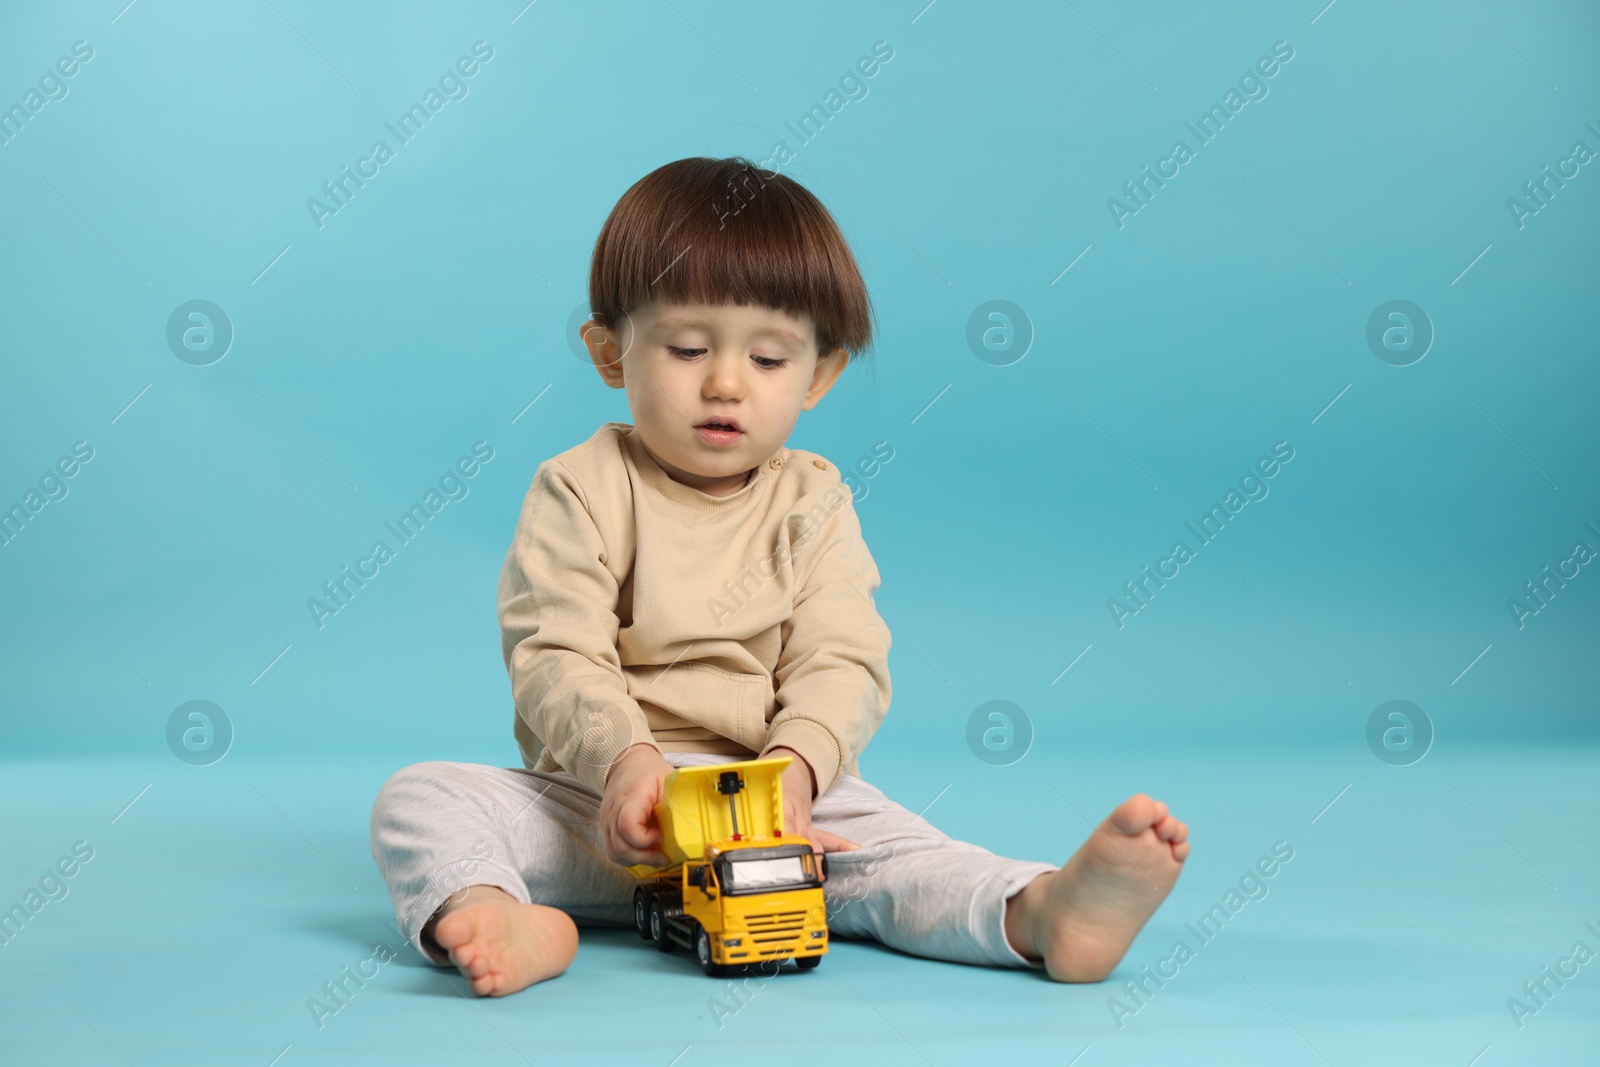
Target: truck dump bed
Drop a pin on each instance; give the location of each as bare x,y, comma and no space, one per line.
693,812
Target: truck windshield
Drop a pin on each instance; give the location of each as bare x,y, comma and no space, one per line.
756,873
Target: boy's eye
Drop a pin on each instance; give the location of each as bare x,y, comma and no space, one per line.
764,362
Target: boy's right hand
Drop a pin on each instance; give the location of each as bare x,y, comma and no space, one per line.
627,808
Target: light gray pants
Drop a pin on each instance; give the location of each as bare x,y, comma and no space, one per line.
439,827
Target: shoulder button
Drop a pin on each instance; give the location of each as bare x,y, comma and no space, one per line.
776,462
817,463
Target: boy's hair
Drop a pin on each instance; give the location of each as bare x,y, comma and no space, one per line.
723,231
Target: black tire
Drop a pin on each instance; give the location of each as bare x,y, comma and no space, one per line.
807,963
641,913
660,933
702,952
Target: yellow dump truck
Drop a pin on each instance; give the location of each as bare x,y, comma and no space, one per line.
737,890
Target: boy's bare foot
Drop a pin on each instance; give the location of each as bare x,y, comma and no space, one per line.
1082,917
501,944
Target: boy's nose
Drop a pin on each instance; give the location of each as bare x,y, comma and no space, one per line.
723,379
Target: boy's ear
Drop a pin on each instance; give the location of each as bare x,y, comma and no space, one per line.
605,350
829,366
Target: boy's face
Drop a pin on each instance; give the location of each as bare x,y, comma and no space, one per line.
684,365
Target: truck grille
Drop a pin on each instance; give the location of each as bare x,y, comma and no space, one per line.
775,931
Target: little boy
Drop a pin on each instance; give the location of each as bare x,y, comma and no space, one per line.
685,589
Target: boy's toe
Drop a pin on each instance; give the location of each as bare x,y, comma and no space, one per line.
1134,814
453,930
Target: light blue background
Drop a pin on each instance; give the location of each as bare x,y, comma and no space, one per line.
1225,316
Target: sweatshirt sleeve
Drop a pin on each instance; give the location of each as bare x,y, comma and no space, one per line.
833,671
558,626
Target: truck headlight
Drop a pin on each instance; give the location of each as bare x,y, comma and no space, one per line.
732,942
819,933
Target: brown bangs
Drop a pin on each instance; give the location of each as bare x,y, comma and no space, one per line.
723,231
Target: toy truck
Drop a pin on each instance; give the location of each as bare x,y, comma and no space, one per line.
737,890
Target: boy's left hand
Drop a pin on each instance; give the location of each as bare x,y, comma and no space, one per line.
798,785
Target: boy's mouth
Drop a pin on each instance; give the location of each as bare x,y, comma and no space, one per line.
722,422
720,431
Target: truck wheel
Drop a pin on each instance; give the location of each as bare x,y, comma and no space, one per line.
806,963
658,925
702,951
641,913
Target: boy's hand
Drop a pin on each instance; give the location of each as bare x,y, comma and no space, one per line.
627,808
798,784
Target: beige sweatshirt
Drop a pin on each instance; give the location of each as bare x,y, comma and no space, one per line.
634,608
